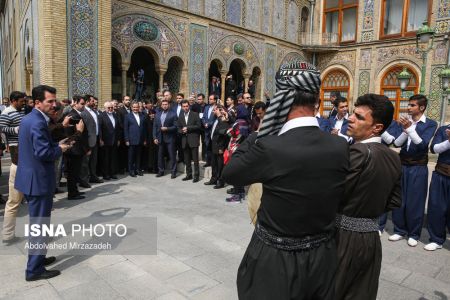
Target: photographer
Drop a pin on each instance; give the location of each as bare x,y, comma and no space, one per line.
219,142
75,155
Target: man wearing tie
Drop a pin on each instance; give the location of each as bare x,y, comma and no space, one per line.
37,155
208,121
164,133
178,109
134,133
189,126
110,135
123,149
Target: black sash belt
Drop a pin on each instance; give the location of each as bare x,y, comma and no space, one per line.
443,169
289,243
414,161
357,224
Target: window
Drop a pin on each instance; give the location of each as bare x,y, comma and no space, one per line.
340,20
403,17
334,81
390,87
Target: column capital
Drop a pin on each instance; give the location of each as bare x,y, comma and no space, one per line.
223,73
125,66
161,70
247,76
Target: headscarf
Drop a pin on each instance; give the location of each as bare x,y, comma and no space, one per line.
293,76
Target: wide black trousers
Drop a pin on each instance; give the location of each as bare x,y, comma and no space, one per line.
359,265
267,273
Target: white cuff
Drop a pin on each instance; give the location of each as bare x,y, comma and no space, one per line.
401,139
16,129
441,147
387,138
415,138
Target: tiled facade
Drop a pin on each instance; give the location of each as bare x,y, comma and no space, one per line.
75,54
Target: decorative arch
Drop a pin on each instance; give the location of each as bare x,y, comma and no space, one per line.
304,20
382,70
291,56
335,78
131,31
173,74
390,87
236,46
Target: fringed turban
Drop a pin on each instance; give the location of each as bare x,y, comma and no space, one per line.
291,77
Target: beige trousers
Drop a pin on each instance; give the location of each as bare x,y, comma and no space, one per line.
12,206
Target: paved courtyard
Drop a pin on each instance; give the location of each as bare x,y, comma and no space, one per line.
201,240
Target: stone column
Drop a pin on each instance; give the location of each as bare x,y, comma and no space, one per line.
162,72
246,78
223,75
125,67
184,82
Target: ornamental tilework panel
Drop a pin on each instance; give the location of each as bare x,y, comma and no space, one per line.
174,3
442,26
215,35
117,7
367,36
435,96
253,14
234,12
366,59
293,19
444,9
82,47
213,9
291,57
364,83
197,66
132,31
343,58
278,19
440,54
387,54
195,6
267,15
271,58
368,14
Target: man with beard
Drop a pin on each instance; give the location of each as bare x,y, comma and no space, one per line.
372,165
292,253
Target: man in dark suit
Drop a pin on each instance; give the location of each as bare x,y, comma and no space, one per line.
208,120
90,119
123,149
179,110
214,87
151,149
303,172
74,156
164,133
339,124
109,135
199,107
189,126
134,135
219,142
36,174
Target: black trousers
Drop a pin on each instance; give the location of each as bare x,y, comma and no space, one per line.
217,167
73,173
180,152
267,273
93,162
109,160
123,157
202,137
191,154
134,158
168,148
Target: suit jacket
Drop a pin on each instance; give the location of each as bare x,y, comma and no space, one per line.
190,139
90,126
426,132
81,146
372,165
133,132
208,120
324,124
343,128
109,134
37,154
294,168
168,136
219,139
215,89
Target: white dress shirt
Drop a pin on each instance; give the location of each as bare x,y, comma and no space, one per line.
299,122
186,116
111,118
214,127
138,120
94,116
410,134
340,122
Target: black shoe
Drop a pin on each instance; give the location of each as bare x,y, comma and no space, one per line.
206,165
114,177
219,186
49,260
95,180
231,191
210,183
140,173
47,274
80,193
187,178
196,179
85,185
173,176
159,174
106,178
11,241
132,174
76,197
62,184
58,191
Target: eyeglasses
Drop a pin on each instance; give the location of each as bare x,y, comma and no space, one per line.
109,107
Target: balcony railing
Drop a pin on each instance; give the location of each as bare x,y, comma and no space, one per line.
319,39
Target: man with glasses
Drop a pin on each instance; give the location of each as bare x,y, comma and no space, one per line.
109,135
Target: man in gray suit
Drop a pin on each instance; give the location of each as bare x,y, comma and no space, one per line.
91,121
189,126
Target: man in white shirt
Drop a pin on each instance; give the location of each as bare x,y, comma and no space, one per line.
339,123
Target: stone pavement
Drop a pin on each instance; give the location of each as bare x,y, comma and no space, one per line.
201,240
